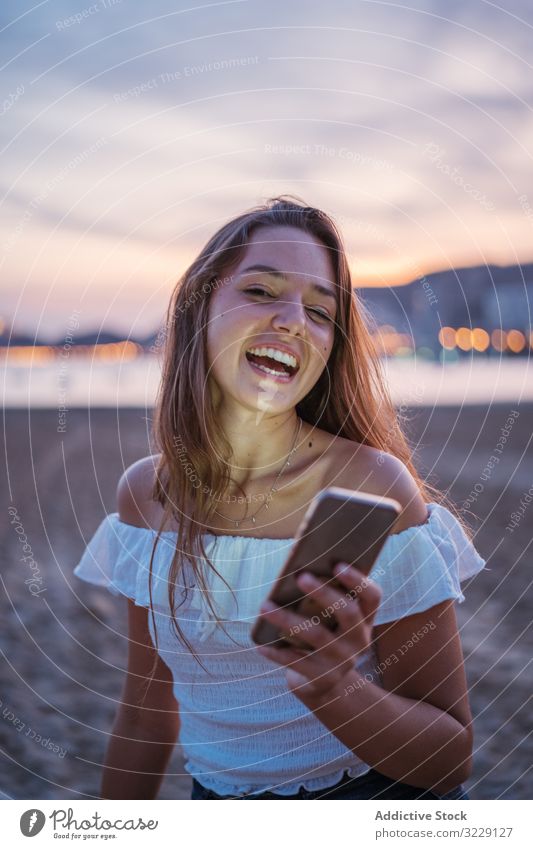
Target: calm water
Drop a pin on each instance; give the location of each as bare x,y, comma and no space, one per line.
79,383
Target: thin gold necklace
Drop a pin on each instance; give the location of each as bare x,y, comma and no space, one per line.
273,487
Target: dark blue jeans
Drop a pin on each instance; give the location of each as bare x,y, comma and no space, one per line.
373,785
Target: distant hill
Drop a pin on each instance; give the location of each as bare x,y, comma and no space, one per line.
481,296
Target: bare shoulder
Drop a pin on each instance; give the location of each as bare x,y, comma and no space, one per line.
380,473
134,489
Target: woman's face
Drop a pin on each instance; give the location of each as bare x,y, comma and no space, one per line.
268,307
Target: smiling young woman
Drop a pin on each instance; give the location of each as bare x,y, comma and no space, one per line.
272,390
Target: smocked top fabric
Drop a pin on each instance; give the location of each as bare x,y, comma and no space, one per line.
242,730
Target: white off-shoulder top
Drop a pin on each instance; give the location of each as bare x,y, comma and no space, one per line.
241,729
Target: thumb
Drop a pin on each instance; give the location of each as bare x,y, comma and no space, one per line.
299,682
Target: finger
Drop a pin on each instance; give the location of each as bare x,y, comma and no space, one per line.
370,603
340,605
365,590
334,651
303,687
304,664
292,624
282,656
332,603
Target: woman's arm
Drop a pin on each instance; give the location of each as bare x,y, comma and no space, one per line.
417,727
147,722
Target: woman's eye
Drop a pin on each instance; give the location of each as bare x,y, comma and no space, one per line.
256,289
261,291
323,315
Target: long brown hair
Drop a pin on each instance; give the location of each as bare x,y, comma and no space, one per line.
350,399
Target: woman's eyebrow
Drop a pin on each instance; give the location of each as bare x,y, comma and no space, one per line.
275,272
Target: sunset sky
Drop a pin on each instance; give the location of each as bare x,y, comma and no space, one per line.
131,131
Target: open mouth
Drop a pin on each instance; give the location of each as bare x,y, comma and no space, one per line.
276,363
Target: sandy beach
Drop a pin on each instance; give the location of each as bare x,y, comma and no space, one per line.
65,644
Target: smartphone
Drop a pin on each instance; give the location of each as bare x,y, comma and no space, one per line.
339,525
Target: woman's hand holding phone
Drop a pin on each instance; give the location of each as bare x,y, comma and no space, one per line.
319,658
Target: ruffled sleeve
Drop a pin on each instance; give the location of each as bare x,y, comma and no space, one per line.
117,557
424,565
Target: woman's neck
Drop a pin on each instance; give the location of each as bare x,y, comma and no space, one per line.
261,444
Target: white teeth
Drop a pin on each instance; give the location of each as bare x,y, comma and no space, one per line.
271,371
275,354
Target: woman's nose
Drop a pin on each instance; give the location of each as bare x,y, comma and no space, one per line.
289,316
